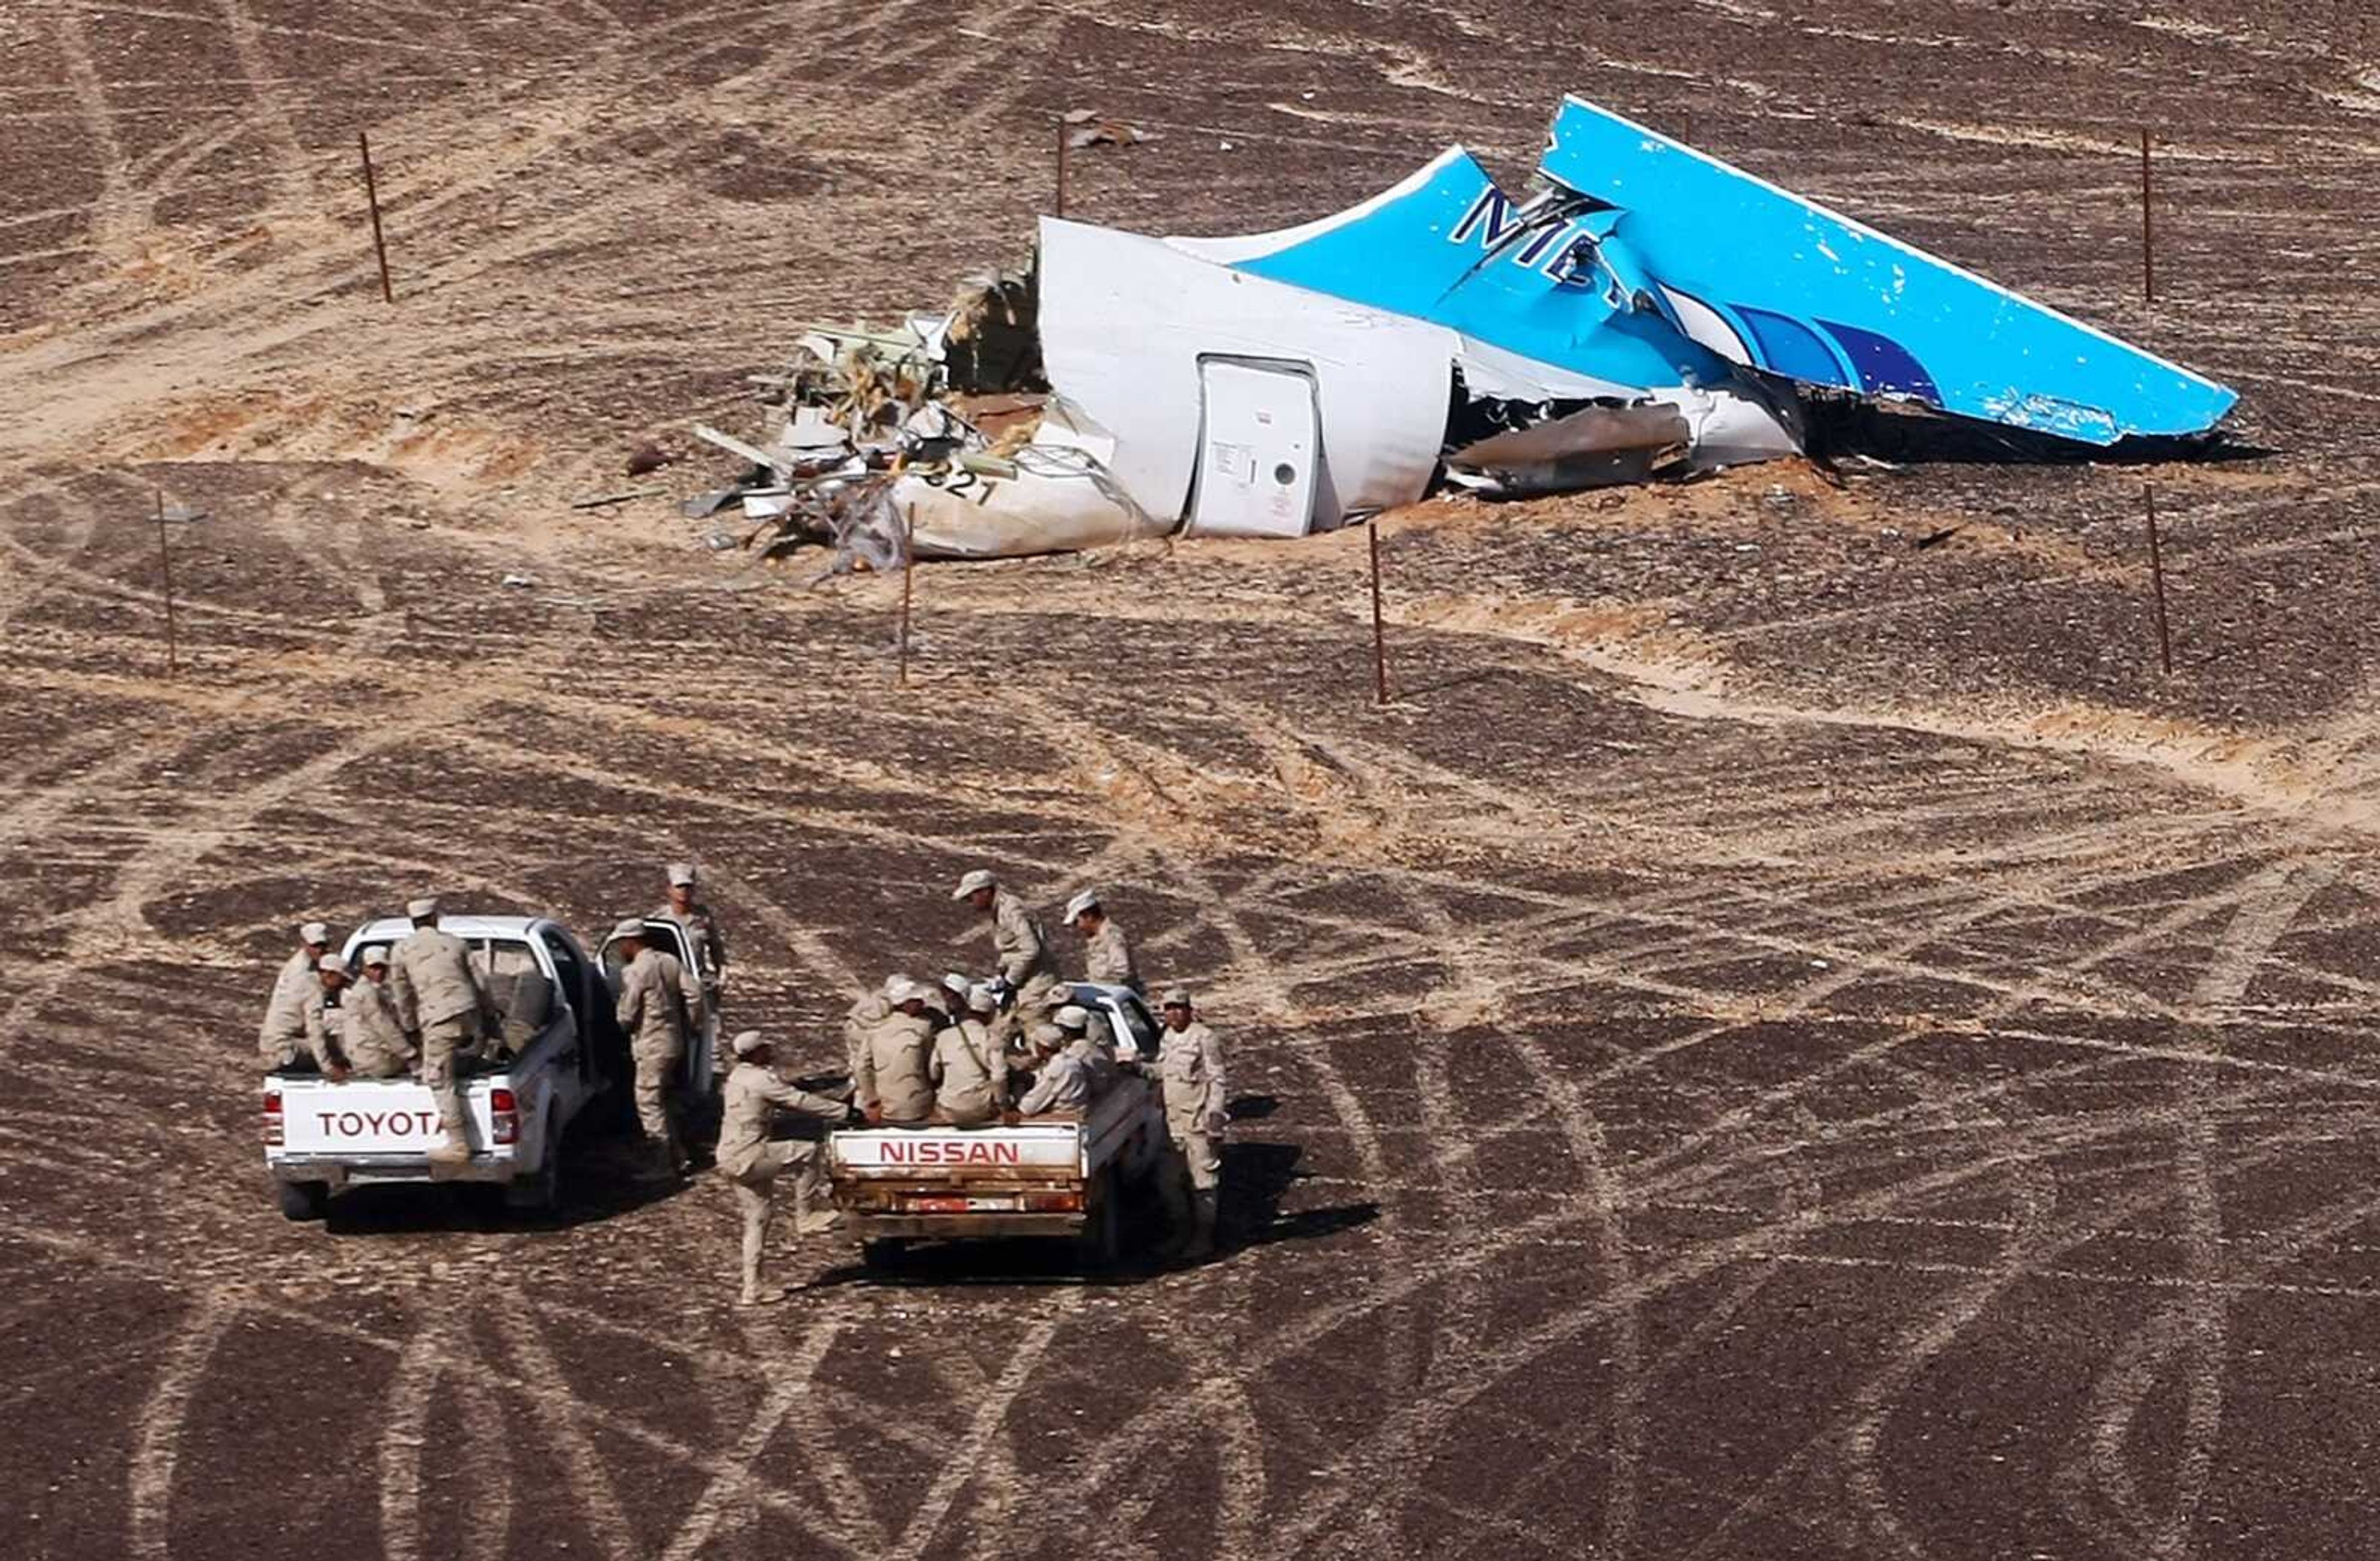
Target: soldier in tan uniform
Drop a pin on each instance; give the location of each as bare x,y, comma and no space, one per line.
751,1160
1191,1069
891,1080
1107,953
969,1073
281,1039
371,1032
657,1005
321,1029
1065,1081
441,998
1025,961
701,936
863,1017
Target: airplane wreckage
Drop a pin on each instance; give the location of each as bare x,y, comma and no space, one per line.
1649,311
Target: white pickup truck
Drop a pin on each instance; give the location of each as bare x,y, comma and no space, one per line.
1063,1174
320,1136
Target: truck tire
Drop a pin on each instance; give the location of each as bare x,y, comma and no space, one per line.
302,1200
883,1253
542,1192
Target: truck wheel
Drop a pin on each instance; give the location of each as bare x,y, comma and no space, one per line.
882,1253
542,1192
304,1201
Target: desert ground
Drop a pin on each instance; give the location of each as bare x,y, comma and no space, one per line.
1775,1042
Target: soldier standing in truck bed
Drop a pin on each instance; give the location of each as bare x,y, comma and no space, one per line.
1020,945
441,998
1107,953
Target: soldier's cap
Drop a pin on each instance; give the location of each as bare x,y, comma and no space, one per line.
980,878
1087,900
983,998
893,984
956,983
1058,996
314,931
633,927
332,963
1179,997
748,1041
376,955
680,874
906,991
422,909
1072,1016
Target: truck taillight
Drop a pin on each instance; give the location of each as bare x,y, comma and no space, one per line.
503,1114
1054,1203
271,1118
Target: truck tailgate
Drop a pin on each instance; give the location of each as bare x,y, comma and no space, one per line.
379,1116
1033,1149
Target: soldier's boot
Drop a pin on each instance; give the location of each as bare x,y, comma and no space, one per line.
754,1293
659,1165
1202,1232
449,1154
808,1219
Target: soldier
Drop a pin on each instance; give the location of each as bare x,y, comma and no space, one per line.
863,1017
441,1000
281,1039
371,1032
1026,1034
1191,1068
956,990
1107,955
751,1160
1026,963
1065,1081
891,1080
701,927
330,979
657,1005
970,1074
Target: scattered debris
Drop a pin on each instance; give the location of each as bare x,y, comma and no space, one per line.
1935,538
1599,447
181,515
646,459
606,500
1649,311
1086,127
520,583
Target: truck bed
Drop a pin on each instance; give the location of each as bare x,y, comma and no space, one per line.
363,1131
1047,1176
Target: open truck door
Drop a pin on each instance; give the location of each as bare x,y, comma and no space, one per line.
696,1078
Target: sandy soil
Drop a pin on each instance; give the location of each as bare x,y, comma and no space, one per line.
1774,1044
